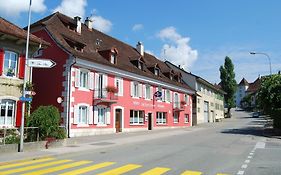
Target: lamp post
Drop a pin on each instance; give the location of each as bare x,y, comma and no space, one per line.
261,53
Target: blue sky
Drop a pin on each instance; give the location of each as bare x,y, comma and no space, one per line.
196,34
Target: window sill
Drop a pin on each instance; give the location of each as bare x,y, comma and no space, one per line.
82,125
83,89
136,124
161,124
101,125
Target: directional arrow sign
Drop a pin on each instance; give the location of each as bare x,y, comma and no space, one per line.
41,63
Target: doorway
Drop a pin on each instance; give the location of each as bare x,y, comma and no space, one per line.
118,120
149,120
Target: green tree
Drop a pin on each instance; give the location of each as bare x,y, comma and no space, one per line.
228,83
47,119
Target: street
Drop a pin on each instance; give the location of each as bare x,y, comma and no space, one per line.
234,146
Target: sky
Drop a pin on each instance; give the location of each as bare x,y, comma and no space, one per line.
196,34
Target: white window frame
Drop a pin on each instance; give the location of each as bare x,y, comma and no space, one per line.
161,118
137,119
186,118
136,89
156,71
147,92
113,57
15,70
6,103
119,85
186,99
84,79
77,115
86,84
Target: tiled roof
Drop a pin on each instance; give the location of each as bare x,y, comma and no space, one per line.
11,29
56,26
243,82
255,86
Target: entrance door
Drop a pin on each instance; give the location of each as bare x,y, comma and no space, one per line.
149,120
206,111
118,120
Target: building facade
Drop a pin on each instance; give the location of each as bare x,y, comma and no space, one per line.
106,86
241,92
12,68
208,102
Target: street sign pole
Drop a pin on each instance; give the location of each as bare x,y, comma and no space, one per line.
24,81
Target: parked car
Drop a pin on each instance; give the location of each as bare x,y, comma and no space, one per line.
256,114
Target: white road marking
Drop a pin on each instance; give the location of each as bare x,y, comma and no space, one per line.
251,153
240,173
244,166
249,157
260,145
247,161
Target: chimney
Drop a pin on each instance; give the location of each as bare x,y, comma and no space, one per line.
78,24
140,48
89,23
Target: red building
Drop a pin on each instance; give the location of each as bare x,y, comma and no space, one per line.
106,85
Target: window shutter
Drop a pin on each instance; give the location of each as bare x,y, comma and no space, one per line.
166,96
95,115
19,113
1,61
163,95
91,115
132,88
77,78
91,78
121,87
140,90
151,93
21,66
144,91
76,114
104,85
107,115
96,85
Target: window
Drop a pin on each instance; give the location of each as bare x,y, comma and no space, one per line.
7,112
176,117
113,58
147,92
136,117
83,115
161,117
140,65
136,89
198,110
186,118
119,86
10,63
186,99
100,85
198,101
176,100
101,116
84,79
168,95
156,71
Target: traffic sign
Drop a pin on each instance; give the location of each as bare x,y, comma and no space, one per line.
40,63
157,94
25,99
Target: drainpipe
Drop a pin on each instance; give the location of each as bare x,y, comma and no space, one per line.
68,106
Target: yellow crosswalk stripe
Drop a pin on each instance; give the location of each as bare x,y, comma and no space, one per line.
156,171
89,168
121,170
25,163
33,167
58,168
191,173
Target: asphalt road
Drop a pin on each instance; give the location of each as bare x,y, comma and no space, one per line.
234,146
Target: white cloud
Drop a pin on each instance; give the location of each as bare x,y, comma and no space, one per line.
177,50
101,24
72,8
137,27
13,8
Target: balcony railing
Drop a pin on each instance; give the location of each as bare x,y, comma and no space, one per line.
178,106
104,97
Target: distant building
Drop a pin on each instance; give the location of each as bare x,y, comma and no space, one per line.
241,92
208,102
12,68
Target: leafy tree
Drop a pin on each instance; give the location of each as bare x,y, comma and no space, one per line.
269,97
47,119
228,83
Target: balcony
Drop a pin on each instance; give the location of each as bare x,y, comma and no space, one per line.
179,106
105,97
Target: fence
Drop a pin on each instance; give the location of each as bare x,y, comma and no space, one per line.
12,135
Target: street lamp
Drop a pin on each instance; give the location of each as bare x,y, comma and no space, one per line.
261,53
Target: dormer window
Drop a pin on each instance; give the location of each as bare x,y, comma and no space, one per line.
140,65
156,71
113,59
75,44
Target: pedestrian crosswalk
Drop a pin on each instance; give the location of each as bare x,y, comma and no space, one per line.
51,165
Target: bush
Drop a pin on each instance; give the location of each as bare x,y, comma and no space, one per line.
276,115
47,119
12,137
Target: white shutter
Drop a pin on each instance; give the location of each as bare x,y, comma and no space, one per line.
91,115
76,113
132,88
144,91
107,115
151,92
171,96
166,96
104,85
77,78
163,95
96,85
157,98
140,90
95,115
91,78
121,87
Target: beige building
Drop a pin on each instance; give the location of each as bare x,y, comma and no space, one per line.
208,102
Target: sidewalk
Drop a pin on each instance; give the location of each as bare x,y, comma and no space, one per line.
78,144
